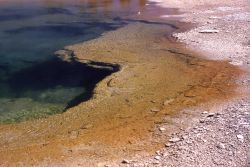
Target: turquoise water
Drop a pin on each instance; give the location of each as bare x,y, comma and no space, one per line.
33,82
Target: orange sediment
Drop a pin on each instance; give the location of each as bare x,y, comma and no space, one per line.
119,119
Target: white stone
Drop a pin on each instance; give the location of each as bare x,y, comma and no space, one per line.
174,139
214,17
236,63
158,152
157,157
125,161
168,145
240,138
221,146
162,129
208,31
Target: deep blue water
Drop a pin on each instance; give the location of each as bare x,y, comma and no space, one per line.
33,82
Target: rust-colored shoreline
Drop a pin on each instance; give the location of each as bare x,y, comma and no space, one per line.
119,119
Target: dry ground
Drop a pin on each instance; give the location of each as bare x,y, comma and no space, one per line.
222,138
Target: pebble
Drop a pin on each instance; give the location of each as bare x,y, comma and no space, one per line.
125,161
73,134
204,140
156,162
162,129
202,121
174,139
157,157
236,63
221,146
240,138
158,152
184,137
214,17
211,114
155,110
168,144
209,31
189,142
168,101
205,112
230,153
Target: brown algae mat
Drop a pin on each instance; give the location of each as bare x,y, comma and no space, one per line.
120,117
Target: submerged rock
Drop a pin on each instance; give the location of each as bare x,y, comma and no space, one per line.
65,55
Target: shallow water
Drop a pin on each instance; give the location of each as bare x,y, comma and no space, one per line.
33,82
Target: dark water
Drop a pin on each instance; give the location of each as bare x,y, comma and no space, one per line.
33,82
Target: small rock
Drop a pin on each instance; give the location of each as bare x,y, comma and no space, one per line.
209,31
167,102
189,142
162,129
157,157
202,121
236,63
221,146
125,161
205,112
214,17
88,126
211,114
155,110
73,134
195,131
240,138
230,153
65,55
184,137
158,152
168,145
156,162
174,139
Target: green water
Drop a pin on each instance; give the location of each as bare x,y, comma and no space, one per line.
33,82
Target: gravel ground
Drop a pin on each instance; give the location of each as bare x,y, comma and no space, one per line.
219,136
